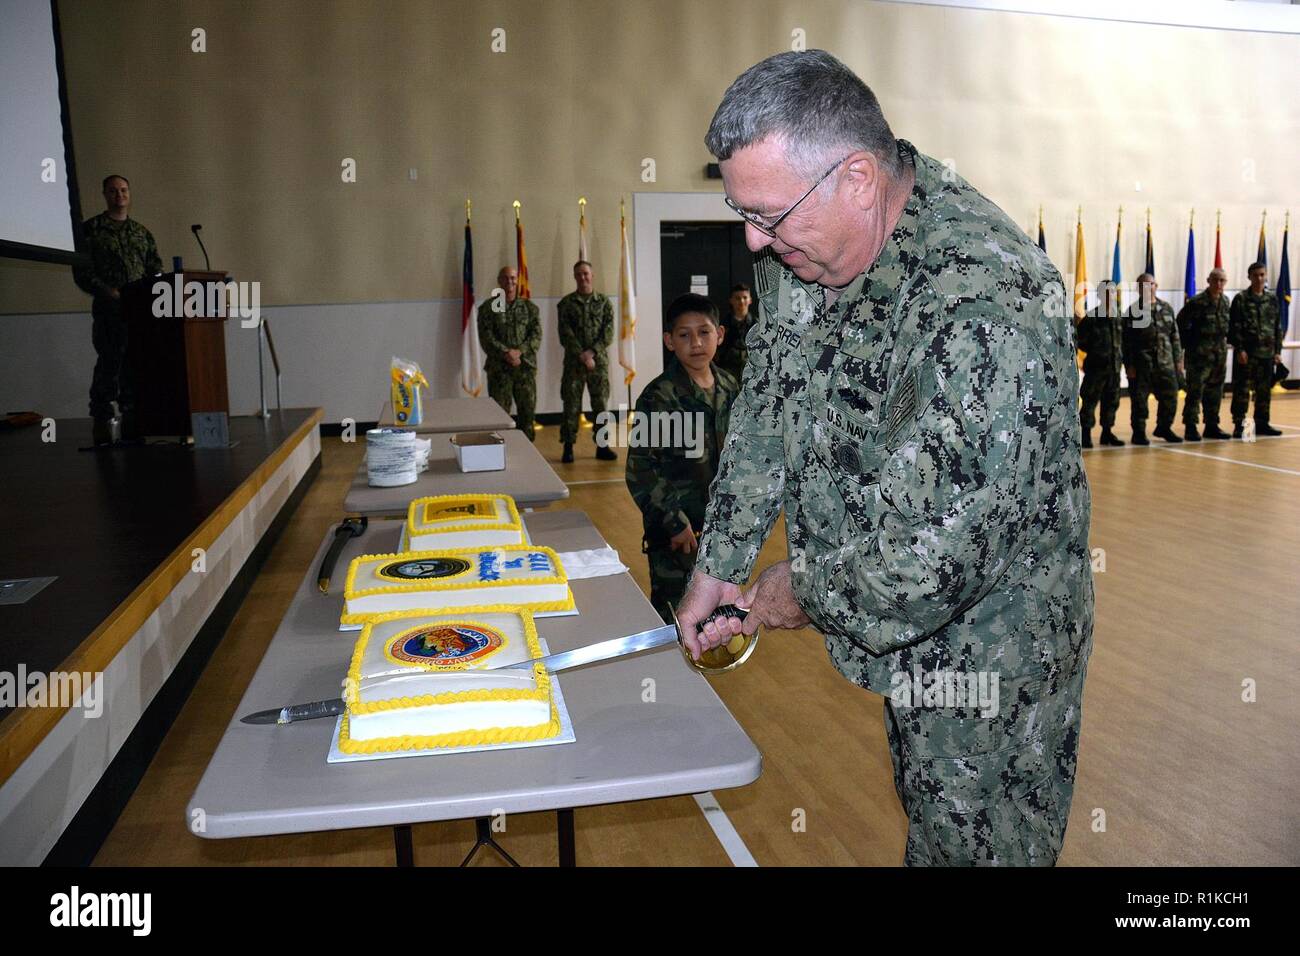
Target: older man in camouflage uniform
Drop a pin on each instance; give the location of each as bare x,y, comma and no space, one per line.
1255,333
1153,356
510,330
910,401
586,329
120,250
1203,326
1100,336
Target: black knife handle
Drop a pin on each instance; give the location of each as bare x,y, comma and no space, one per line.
317,708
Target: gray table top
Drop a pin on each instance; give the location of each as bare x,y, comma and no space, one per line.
441,415
275,779
527,477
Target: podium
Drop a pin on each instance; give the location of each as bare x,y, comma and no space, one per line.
177,355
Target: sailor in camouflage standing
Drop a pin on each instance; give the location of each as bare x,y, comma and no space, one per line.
1100,337
682,416
120,250
586,329
910,400
1153,357
1255,334
1203,326
733,353
510,330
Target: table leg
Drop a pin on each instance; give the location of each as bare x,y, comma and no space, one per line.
402,846
564,826
483,828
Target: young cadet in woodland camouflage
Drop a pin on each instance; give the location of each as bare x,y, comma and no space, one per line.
1100,337
1203,326
586,329
733,353
1153,357
510,330
686,408
120,251
1255,334
910,400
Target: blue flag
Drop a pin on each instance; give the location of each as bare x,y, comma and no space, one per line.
1284,288
1189,278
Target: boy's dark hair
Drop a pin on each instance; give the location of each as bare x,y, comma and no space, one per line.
1256,265
690,302
739,287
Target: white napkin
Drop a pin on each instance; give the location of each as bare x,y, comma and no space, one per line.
592,563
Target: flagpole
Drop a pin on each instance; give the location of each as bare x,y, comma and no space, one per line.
622,231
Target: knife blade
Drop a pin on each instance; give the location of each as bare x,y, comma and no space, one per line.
295,712
618,647
348,529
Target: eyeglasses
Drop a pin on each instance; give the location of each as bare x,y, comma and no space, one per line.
769,228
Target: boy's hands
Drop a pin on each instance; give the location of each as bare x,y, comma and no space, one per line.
685,541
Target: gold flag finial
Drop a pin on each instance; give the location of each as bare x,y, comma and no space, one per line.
467,209
582,200
1218,218
516,205
1191,218
1080,214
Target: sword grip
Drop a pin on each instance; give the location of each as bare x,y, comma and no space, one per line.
725,611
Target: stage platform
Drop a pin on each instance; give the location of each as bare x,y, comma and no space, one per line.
151,548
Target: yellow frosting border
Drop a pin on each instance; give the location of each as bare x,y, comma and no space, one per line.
442,668
350,588
512,523
475,737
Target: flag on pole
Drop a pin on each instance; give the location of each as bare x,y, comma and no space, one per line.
1150,267
1042,239
626,304
1189,276
521,257
1114,261
1284,282
1261,254
1080,271
1218,246
471,368
582,229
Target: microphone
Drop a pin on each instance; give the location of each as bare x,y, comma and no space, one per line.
195,229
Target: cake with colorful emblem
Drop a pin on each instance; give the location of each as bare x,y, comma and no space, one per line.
447,522
530,577
417,681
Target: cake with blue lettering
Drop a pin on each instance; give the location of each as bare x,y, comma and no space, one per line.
444,522
418,681
524,576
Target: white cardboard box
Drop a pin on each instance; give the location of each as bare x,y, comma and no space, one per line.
479,451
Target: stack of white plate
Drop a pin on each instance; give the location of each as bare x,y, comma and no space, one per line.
423,446
393,457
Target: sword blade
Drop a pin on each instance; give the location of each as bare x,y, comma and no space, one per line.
602,651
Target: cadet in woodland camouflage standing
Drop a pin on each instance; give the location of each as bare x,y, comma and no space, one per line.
510,330
1100,337
586,329
682,419
1153,357
733,353
121,251
1255,334
910,400
1203,327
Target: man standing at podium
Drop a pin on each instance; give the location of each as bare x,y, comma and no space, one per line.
121,251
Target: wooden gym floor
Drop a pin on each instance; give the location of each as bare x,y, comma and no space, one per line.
1200,595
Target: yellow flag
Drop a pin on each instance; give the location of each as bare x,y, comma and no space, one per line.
626,306
1080,272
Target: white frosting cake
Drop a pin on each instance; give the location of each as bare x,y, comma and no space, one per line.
524,576
416,682
447,522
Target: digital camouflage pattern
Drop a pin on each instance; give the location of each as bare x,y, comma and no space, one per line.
1254,327
1152,351
922,436
1203,325
119,252
1101,338
669,487
586,322
517,326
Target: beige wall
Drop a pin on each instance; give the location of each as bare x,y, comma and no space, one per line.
248,137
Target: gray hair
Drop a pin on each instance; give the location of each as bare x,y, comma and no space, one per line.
1217,273
813,103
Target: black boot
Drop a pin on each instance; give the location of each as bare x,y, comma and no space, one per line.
1167,433
1216,432
1085,437
1140,437
1107,438
567,457
1264,428
102,433
606,454
1238,429
1190,433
